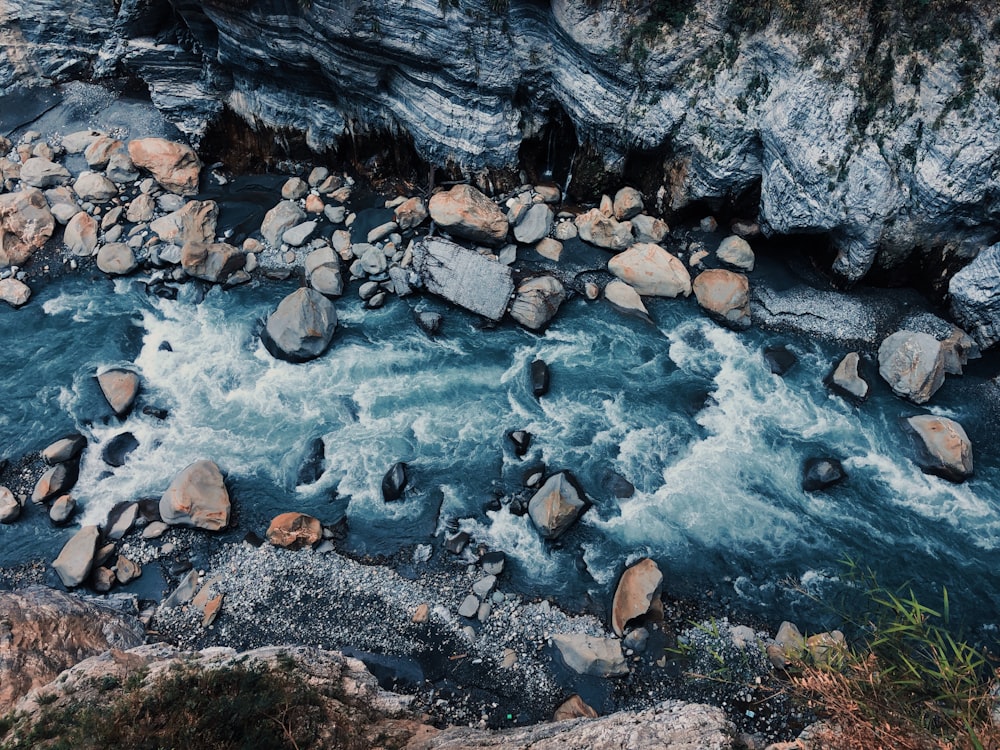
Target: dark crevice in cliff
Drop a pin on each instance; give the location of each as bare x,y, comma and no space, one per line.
243,147
549,156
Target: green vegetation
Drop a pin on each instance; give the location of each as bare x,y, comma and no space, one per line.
240,706
910,683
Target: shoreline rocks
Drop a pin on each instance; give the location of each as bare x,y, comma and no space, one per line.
301,327
197,497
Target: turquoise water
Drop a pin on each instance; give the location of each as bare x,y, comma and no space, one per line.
685,410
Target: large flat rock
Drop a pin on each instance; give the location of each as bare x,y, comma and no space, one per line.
463,277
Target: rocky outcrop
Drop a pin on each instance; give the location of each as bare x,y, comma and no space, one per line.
912,363
944,448
974,293
197,497
301,327
43,631
174,165
463,277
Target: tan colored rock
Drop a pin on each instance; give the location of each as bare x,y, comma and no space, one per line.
15,293
411,213
126,570
141,209
555,506
77,556
466,212
422,613
591,655
42,173
735,251
174,165
945,449
294,531
45,631
574,707
725,296
628,203
26,223
94,187
197,497
846,378
651,271
637,590
314,204
80,235
213,262
116,259
10,506
549,248
603,231
294,188
211,610
649,229
621,295
55,481
99,152
912,363
537,301
120,387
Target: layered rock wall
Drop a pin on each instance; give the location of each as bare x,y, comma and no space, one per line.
852,121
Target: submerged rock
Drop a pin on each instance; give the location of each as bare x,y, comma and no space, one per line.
394,482
463,277
466,212
197,497
521,440
301,327
944,448
779,359
538,373
311,468
555,506
912,363
820,473
636,594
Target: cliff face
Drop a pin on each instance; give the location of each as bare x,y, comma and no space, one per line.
861,122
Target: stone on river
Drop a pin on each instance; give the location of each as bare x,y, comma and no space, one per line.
197,497
301,327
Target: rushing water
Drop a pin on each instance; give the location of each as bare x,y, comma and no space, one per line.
685,410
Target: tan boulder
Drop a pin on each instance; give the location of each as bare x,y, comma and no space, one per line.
213,262
174,165
549,248
80,235
621,295
627,203
26,223
913,364
15,293
574,708
411,213
77,556
99,152
42,173
116,259
142,208
537,301
555,506
725,296
637,590
466,212
651,271
120,387
601,230
294,531
197,497
94,187
735,251
945,449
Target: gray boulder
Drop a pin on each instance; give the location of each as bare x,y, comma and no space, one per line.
466,212
214,262
77,557
10,508
537,301
301,327
847,380
322,268
94,187
533,224
735,251
463,277
555,506
975,297
944,448
279,219
591,655
912,363
649,229
297,235
197,497
62,509
56,480
116,259
80,235
725,296
42,173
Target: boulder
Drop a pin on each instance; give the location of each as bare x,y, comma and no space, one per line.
197,497
311,467
624,297
974,297
214,262
638,589
98,152
533,224
604,231
118,448
382,231
126,570
943,447
820,473
537,301
294,531
322,269
372,259
651,271
174,165
301,327
429,322
80,235
847,380
735,251
195,221
94,187
10,507
76,558
539,376
120,168
26,223
574,707
294,188
279,219
779,359
912,363
78,141
556,505
394,482
410,213
627,203
116,259
64,449
725,296
42,173
549,249
57,480
591,655
649,229
469,606
463,277
297,235
141,208
15,293
120,387
121,520
62,510
521,440
957,347
62,203
465,212
47,631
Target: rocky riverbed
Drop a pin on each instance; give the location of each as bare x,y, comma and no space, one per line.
446,617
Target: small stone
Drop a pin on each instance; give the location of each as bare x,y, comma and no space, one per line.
484,586
469,607
294,189
422,613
